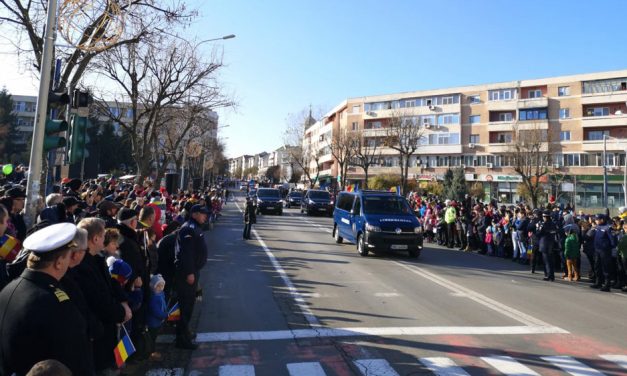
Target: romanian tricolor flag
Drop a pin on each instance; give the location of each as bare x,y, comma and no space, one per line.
9,248
175,313
350,188
124,349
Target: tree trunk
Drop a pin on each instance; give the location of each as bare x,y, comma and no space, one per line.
366,176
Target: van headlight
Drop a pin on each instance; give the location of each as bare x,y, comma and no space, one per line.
372,228
418,230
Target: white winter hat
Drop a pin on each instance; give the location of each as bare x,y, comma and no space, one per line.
156,280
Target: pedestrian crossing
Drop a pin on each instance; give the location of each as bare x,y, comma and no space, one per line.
443,366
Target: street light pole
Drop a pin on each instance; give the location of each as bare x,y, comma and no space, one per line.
35,165
605,171
183,167
625,179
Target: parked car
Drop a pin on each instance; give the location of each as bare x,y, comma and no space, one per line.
317,202
377,221
269,200
293,199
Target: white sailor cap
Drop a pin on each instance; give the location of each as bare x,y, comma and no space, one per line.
51,238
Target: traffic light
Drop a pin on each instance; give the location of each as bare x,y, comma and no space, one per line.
82,99
57,99
79,139
51,139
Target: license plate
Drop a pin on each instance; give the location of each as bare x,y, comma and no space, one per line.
322,209
398,246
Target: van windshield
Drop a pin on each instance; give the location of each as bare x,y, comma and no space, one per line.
386,205
319,195
269,193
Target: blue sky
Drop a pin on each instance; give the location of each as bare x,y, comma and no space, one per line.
290,54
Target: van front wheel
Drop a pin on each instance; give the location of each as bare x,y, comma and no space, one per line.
361,246
336,235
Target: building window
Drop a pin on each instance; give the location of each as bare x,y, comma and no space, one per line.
355,125
474,119
535,114
563,91
427,120
565,136
448,119
474,139
502,95
537,93
564,113
443,139
506,116
598,111
474,99
597,135
410,103
447,100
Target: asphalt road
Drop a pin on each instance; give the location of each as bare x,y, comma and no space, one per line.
292,302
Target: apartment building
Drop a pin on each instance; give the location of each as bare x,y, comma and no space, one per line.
474,127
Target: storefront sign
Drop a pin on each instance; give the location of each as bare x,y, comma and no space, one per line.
499,178
568,187
429,177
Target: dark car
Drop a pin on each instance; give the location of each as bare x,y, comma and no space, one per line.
293,199
377,221
269,200
317,202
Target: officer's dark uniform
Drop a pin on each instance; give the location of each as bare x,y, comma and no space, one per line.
38,321
604,241
546,233
190,257
250,218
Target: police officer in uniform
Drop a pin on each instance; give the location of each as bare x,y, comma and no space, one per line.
38,320
546,232
190,257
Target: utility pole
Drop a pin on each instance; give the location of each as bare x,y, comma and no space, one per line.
604,171
34,168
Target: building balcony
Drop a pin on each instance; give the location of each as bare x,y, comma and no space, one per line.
378,132
326,158
501,126
502,105
597,145
324,173
604,121
439,149
533,103
413,111
528,125
500,147
600,98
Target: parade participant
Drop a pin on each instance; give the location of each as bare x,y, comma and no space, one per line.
250,217
604,241
38,319
190,257
546,231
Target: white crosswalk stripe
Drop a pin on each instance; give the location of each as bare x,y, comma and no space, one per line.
305,369
571,365
441,366
375,367
509,366
237,370
621,360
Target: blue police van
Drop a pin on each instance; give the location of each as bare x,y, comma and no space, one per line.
377,221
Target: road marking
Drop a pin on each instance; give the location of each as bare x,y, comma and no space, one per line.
236,370
509,366
387,294
300,301
443,367
501,308
621,360
305,369
165,372
366,332
571,365
375,367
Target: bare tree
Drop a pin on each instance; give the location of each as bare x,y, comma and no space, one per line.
403,134
366,152
153,79
142,19
530,154
342,147
303,152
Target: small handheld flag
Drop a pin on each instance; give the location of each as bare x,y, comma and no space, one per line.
124,349
9,248
175,313
349,188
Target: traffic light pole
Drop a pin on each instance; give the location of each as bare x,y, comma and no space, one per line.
34,169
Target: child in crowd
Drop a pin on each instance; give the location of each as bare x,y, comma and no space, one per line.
499,240
157,310
112,242
571,253
121,272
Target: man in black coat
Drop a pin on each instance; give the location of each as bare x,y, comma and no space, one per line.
38,320
92,276
190,257
546,232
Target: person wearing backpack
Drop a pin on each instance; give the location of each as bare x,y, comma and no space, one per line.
604,242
